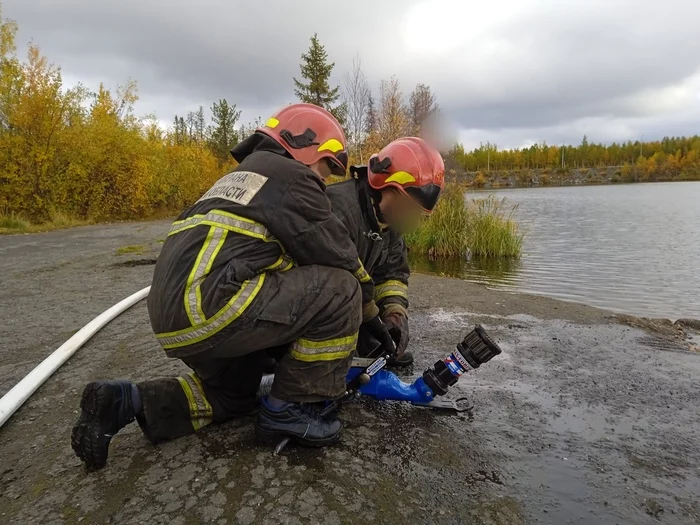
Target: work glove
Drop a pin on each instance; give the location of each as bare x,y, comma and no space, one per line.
377,329
397,323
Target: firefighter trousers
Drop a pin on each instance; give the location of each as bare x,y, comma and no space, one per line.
311,313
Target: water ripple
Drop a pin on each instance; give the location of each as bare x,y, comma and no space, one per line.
629,248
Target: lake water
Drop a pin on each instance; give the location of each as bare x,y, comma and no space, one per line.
628,248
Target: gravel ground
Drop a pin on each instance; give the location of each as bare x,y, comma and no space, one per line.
581,420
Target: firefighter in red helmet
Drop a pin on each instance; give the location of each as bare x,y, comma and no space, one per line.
258,263
381,202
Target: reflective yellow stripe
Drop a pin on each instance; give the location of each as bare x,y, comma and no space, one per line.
390,288
282,264
203,406
199,418
219,238
227,221
220,223
361,274
202,266
329,350
229,313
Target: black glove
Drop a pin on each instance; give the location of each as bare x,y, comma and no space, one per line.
377,329
398,329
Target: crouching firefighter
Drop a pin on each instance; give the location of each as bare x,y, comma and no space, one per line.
258,263
381,202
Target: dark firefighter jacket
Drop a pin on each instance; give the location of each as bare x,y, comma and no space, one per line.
269,214
383,253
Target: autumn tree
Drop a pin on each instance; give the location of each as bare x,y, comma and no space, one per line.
393,120
314,88
180,132
356,97
422,106
196,125
223,134
246,130
371,115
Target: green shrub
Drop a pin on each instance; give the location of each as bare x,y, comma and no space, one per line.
444,233
492,232
14,223
11,223
482,227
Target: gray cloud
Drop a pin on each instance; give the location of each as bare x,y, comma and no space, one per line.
514,70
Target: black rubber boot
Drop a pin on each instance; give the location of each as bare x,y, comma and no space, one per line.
270,365
300,422
404,359
106,409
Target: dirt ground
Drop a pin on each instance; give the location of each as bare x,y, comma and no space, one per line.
581,420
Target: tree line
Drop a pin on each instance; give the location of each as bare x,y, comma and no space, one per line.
670,158
89,156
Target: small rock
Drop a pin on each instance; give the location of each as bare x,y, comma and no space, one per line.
653,508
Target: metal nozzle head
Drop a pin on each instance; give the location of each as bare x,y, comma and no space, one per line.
477,347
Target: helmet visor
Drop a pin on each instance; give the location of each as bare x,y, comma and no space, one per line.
339,163
426,196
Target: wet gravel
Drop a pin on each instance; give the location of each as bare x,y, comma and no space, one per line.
581,419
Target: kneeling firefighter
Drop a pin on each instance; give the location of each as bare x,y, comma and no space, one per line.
259,262
381,202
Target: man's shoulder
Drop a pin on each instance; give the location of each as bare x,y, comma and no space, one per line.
343,195
274,165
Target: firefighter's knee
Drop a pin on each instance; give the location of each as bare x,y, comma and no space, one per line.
350,300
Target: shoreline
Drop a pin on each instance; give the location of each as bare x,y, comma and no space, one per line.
581,417
548,177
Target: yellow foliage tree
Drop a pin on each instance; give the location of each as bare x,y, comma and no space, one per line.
85,154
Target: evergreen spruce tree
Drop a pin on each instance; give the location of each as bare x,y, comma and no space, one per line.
314,87
223,135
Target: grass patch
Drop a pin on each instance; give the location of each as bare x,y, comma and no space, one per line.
444,233
12,224
135,249
492,231
480,227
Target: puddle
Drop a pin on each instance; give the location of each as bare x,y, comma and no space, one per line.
135,262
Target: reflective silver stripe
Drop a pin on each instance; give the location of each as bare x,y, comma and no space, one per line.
203,407
197,403
200,271
225,220
229,313
307,350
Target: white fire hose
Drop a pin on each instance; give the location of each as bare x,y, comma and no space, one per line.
16,397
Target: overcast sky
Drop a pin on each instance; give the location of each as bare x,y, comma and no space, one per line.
511,72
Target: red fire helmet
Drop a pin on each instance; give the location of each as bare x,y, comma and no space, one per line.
413,167
309,133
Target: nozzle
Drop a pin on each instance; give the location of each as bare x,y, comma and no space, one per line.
476,349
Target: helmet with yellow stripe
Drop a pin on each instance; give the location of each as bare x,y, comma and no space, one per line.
309,133
413,167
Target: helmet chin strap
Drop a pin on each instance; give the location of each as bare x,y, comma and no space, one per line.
376,197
